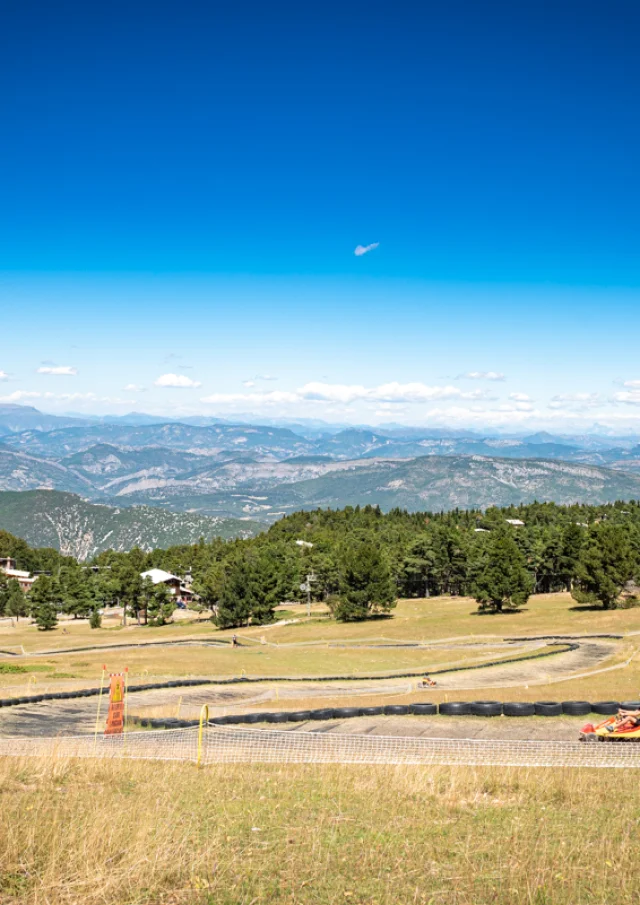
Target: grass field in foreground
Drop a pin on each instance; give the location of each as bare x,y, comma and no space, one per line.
137,833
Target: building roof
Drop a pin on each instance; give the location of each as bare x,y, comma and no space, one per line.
157,576
514,521
18,573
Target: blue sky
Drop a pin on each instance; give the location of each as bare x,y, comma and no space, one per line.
183,187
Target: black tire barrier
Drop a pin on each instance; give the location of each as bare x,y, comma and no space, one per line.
424,709
278,718
238,718
606,708
455,708
253,718
576,708
518,708
326,713
548,708
396,709
347,713
486,708
452,708
299,716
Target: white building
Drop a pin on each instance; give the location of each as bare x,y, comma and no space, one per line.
175,584
24,579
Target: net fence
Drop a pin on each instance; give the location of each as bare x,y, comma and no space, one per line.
225,745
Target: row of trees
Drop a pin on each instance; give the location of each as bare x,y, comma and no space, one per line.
81,592
361,560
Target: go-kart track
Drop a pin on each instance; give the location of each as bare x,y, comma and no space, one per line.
66,728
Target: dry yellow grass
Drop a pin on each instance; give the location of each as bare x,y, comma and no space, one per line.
137,833
286,654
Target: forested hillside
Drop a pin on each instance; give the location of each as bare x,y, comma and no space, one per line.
359,560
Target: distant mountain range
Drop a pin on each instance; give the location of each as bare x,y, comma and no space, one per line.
221,470
77,528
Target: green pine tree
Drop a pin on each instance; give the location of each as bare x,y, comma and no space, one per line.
161,605
16,603
502,579
42,600
607,562
366,587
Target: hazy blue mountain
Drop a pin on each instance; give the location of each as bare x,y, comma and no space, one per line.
19,471
16,418
430,482
189,438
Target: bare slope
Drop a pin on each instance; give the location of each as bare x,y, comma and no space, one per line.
82,529
427,483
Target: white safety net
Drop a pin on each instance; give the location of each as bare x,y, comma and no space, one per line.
222,745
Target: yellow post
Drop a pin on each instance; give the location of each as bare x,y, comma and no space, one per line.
95,737
178,707
204,719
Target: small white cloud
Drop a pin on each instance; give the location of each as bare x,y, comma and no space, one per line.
574,400
248,383
179,381
267,377
633,384
4,375
519,397
365,249
58,370
483,375
628,397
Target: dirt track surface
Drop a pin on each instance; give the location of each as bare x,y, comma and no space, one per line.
563,728
588,656
77,716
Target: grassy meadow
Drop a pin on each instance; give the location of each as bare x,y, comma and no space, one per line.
156,833
152,833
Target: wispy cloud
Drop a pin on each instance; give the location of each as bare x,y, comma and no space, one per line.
252,381
519,397
19,395
178,381
58,370
574,400
133,388
346,394
4,375
364,249
483,375
277,397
